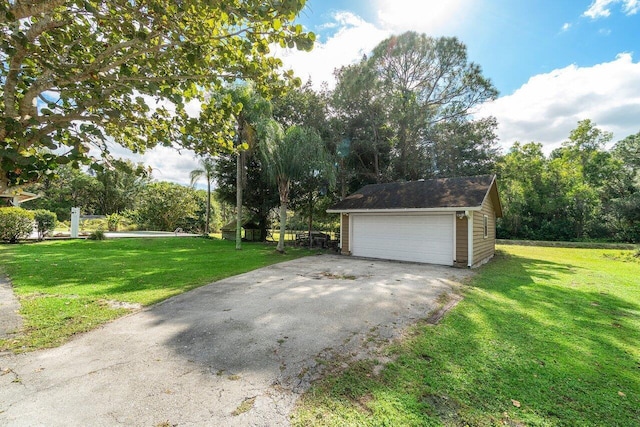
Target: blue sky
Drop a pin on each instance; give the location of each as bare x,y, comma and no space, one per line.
511,40
553,62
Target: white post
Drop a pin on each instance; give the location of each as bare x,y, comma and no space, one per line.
75,222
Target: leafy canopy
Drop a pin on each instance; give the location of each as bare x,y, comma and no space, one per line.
75,73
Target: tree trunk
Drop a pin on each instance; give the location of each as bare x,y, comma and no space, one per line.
208,214
239,202
283,226
310,219
4,181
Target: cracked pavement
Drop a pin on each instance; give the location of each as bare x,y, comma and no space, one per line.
259,338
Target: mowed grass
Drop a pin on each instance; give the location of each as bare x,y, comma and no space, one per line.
66,287
543,337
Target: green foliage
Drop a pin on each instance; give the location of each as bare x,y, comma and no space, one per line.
294,156
579,192
405,113
208,167
93,224
45,222
97,235
263,194
80,72
425,81
15,224
81,284
113,221
65,188
166,206
120,183
543,337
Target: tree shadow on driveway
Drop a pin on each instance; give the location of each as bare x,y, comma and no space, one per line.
196,358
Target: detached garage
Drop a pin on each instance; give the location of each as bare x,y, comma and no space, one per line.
448,221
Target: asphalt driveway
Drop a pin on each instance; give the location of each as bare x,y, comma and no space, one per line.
235,352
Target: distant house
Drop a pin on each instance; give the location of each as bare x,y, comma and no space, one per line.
448,221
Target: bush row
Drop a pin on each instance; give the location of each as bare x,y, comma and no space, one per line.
18,223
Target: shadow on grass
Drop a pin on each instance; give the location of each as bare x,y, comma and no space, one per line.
533,343
133,270
67,287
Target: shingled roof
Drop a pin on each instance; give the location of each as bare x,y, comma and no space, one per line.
462,192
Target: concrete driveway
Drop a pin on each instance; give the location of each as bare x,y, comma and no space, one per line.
259,339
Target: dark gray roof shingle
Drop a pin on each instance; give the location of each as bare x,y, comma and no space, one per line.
428,194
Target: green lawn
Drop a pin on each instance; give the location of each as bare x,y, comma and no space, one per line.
66,287
543,337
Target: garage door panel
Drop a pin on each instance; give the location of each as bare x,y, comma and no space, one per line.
419,238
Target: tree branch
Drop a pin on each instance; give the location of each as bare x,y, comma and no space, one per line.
26,8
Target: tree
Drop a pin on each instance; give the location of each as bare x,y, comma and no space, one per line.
166,206
588,170
263,196
67,187
359,100
207,168
462,148
249,111
76,72
303,106
293,156
520,174
581,191
120,183
628,150
426,81
625,207
45,222
308,108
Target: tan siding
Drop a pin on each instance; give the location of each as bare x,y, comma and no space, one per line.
484,247
462,230
345,234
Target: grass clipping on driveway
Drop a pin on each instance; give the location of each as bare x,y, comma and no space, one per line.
67,287
544,337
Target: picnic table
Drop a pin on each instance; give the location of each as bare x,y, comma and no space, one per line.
318,239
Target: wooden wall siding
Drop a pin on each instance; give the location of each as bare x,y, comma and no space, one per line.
462,229
484,247
344,234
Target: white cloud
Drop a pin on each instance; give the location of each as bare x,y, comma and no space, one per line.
602,8
566,26
548,106
429,16
354,38
631,7
167,163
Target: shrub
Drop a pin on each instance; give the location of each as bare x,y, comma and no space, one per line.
45,222
15,224
113,220
93,224
97,235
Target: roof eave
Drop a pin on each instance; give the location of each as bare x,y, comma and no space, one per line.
408,210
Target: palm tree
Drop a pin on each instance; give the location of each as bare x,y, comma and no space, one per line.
251,110
207,167
291,157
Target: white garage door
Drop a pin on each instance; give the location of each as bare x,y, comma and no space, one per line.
418,238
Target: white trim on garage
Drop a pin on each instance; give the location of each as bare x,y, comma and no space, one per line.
407,210
425,237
